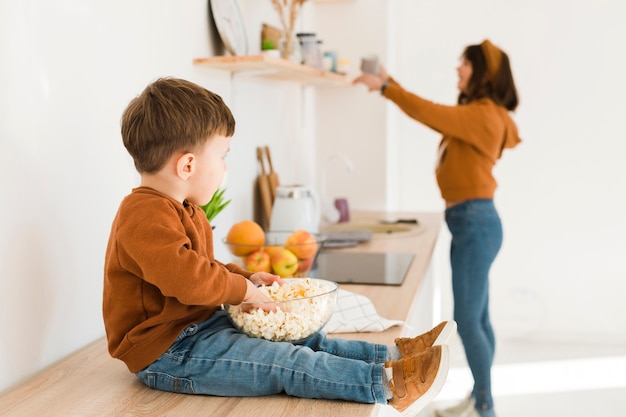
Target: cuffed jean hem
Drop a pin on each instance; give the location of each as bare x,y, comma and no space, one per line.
213,358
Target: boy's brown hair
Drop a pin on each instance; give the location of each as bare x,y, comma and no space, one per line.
172,115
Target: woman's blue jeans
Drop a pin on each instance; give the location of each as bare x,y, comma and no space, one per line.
214,358
476,239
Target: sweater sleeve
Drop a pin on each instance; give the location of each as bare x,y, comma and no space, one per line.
472,123
441,118
173,255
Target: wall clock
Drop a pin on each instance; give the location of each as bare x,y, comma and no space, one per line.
230,26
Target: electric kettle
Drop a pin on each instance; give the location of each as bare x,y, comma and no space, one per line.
295,207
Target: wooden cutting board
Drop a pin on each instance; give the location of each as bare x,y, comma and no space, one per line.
265,193
273,176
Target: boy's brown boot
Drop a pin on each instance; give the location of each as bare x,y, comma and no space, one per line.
417,380
439,335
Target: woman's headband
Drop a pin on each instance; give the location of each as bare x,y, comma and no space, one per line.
493,57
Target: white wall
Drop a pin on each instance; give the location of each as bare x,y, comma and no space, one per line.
68,69
560,275
562,193
349,121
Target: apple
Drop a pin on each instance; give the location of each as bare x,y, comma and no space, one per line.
271,250
284,263
302,243
258,261
304,265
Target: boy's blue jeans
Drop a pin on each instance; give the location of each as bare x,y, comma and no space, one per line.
476,239
214,358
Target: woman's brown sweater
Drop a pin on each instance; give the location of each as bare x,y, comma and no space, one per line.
474,136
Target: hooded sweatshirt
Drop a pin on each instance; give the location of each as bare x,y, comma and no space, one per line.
474,136
160,276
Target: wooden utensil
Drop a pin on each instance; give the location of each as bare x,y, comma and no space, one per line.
273,176
263,184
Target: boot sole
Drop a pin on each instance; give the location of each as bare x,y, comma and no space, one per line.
440,379
448,331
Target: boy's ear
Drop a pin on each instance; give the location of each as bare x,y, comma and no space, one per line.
185,166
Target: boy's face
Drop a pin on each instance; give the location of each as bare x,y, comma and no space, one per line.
210,169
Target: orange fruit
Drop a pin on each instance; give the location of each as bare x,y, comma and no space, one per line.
246,237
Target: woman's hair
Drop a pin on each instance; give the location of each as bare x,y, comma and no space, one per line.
172,115
494,83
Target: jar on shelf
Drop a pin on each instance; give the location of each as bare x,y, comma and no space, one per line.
310,48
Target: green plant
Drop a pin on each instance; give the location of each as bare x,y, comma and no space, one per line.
217,204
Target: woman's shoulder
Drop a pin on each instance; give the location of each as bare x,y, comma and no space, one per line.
500,119
485,102
488,107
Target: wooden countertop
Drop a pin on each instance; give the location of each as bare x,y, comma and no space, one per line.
396,302
91,383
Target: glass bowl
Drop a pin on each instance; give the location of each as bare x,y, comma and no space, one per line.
301,308
287,254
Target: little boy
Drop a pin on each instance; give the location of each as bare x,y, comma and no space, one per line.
163,288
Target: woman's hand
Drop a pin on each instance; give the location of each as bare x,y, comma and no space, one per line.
373,82
382,73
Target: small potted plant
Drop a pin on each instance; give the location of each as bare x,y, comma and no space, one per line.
270,39
215,205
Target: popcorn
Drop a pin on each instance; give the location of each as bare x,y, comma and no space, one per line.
292,321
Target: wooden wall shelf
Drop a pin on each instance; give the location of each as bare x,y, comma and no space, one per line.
276,68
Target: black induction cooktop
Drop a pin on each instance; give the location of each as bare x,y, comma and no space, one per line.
362,267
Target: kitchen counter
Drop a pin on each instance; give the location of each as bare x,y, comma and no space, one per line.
91,383
396,302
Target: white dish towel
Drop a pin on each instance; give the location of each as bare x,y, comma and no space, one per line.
355,313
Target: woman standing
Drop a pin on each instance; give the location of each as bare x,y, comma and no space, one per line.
475,132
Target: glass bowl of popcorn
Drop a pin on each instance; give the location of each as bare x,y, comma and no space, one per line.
299,308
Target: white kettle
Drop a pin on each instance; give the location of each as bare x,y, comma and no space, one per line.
295,207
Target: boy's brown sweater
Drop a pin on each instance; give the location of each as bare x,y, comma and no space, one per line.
474,136
160,276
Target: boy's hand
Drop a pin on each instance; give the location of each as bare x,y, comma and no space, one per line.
265,278
253,295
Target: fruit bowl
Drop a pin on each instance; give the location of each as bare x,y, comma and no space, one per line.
287,254
301,308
